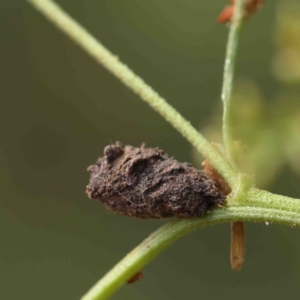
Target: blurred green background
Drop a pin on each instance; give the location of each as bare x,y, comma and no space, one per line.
60,109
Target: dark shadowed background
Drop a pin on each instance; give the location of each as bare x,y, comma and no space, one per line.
60,109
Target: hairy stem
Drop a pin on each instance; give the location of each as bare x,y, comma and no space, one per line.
103,56
230,58
169,233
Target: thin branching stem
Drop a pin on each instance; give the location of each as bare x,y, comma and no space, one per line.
111,62
230,59
169,233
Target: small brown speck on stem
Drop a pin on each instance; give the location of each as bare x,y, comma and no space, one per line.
136,277
237,249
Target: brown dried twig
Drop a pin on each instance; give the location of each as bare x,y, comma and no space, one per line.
251,7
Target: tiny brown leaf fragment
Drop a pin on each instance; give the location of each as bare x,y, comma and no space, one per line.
214,175
251,7
136,277
237,247
237,250
146,183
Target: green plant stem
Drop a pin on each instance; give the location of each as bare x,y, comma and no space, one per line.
230,59
268,208
111,62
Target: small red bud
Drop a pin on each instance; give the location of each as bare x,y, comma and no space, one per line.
251,7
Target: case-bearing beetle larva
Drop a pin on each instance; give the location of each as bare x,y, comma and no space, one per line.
146,183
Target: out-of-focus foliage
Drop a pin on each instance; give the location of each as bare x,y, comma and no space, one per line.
269,129
286,63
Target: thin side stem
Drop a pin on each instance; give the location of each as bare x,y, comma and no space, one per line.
177,228
111,62
230,59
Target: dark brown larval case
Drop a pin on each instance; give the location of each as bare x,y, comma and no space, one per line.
146,183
